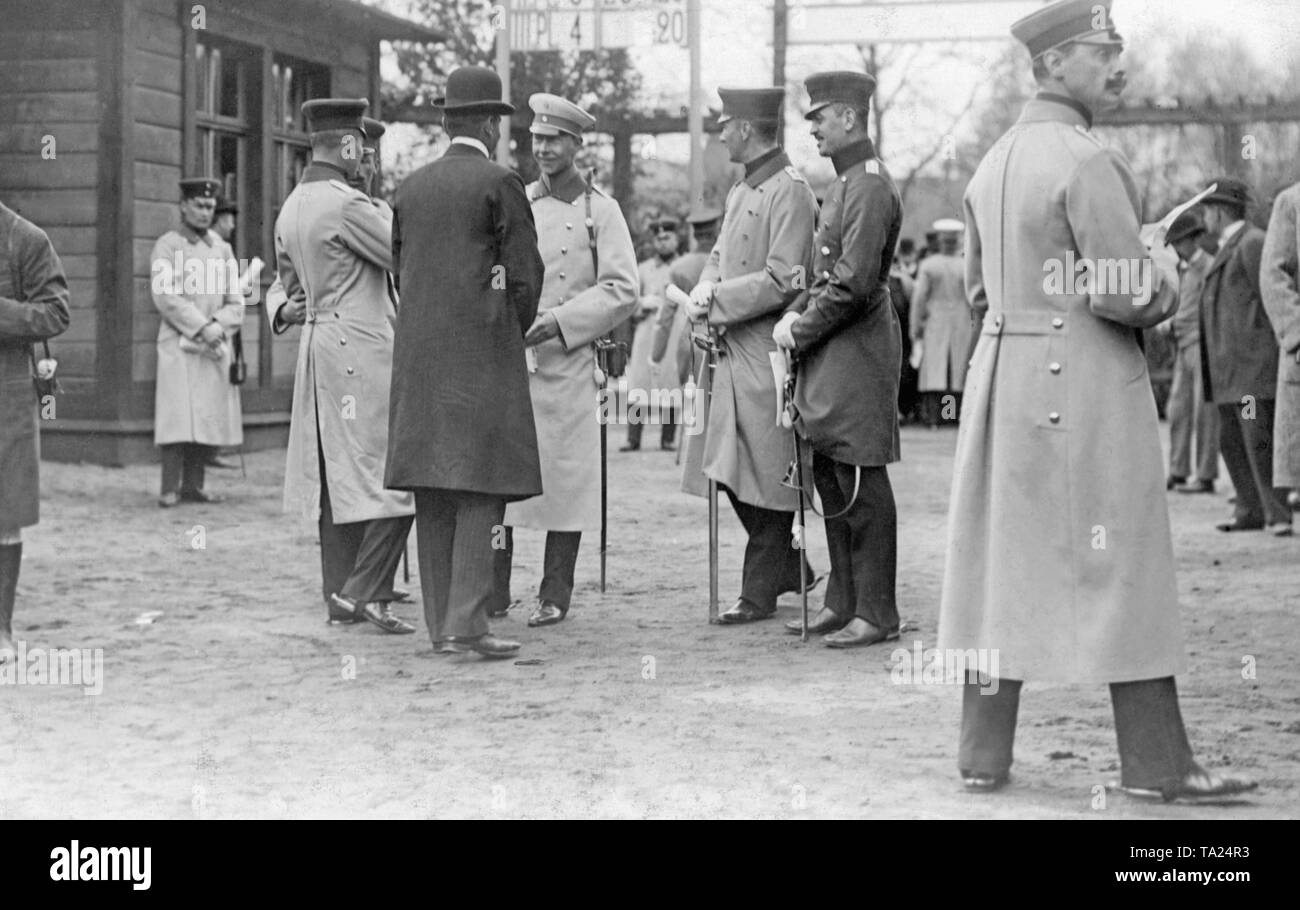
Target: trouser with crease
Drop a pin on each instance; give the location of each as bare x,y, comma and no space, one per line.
454,533
771,562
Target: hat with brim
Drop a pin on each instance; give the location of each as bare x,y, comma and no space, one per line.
703,216
754,104
322,114
200,188
553,116
371,131
1230,191
839,86
1186,226
1067,22
474,90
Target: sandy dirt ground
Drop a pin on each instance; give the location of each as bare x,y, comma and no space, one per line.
236,700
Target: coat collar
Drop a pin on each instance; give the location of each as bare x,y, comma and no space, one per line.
193,236
852,155
566,187
1226,251
323,170
1049,108
463,150
764,166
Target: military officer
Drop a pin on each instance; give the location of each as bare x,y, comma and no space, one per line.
758,266
333,252
645,383
589,287
941,325
1059,557
1279,276
845,334
196,408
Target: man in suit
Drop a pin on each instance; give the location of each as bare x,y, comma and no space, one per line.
1279,276
845,334
578,306
1239,361
1060,561
1190,415
758,266
333,252
33,307
461,429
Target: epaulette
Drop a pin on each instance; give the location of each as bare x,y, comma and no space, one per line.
1084,131
872,166
794,173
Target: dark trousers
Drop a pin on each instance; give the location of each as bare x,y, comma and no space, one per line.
454,532
182,466
667,432
358,559
863,542
557,568
771,561
1247,449
11,560
1153,748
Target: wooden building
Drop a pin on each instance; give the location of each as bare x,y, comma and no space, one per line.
104,106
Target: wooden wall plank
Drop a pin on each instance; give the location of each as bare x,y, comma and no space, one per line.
153,219
60,44
30,171
69,241
43,75
157,182
39,17
160,33
84,294
50,107
50,207
157,144
68,137
160,107
76,358
152,70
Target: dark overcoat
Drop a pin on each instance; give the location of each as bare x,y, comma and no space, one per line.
848,339
33,306
1238,346
466,262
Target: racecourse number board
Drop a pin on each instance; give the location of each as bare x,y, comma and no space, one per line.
585,25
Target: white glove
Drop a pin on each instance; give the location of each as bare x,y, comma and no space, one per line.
782,333
701,298
918,351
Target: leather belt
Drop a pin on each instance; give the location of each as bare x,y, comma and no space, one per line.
1025,323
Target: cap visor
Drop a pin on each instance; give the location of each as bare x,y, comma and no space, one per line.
815,108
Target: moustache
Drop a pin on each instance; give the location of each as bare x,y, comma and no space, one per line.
1117,82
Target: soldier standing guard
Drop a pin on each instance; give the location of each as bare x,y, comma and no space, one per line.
1059,554
195,286
758,266
846,337
334,252
578,306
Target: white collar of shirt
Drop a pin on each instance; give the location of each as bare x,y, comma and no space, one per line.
1229,232
472,143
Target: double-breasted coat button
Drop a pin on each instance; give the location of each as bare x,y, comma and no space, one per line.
826,251
826,274
1054,417
568,227
1055,367
564,249
1058,323
343,341
351,371
561,274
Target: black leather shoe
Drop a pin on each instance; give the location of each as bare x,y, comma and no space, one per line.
744,612
859,634
629,448
397,596
1229,527
1197,486
220,465
380,615
343,611
1175,482
169,500
200,496
488,645
546,614
823,622
1281,529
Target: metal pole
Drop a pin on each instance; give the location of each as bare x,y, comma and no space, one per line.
503,70
695,113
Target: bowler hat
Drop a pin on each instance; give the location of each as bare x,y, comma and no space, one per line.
1185,226
1230,190
474,90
